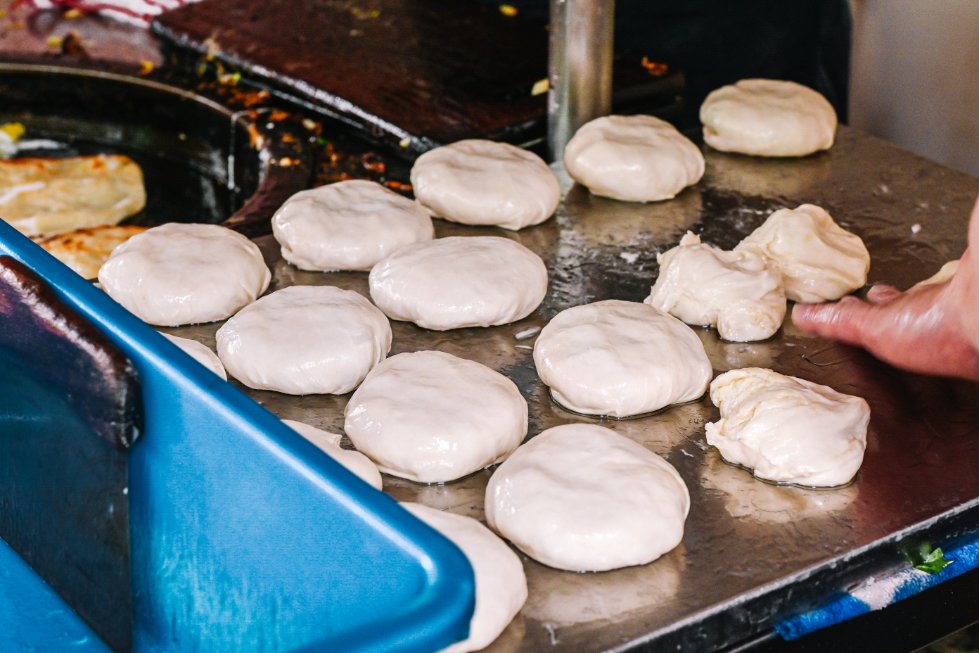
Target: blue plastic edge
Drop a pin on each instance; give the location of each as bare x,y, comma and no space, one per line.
440,614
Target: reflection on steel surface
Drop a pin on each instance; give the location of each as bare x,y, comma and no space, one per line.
750,550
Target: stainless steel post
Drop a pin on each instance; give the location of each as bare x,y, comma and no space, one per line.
580,65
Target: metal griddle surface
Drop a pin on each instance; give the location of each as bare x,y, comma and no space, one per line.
751,550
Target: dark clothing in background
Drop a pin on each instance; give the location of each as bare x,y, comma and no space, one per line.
718,42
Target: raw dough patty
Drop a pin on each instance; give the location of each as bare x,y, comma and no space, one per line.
329,443
199,353
486,183
633,158
178,274
501,586
449,283
432,417
581,497
620,358
787,429
734,291
819,260
350,225
305,340
767,117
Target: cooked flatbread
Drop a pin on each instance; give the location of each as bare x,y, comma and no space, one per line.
85,250
44,197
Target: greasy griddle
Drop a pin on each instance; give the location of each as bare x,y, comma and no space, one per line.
752,551
412,74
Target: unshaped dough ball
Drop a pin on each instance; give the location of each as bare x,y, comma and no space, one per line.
178,274
581,497
329,443
305,340
735,291
449,283
199,353
620,359
819,260
486,183
349,225
786,429
633,158
432,417
767,117
501,586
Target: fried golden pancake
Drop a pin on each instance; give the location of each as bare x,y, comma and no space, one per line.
85,250
43,197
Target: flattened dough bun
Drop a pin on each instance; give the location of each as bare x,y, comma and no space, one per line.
786,429
581,497
305,340
178,274
462,281
768,117
329,443
349,225
734,291
620,359
43,197
199,353
501,586
633,158
87,250
486,183
432,417
819,260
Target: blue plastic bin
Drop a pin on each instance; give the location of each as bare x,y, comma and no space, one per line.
244,536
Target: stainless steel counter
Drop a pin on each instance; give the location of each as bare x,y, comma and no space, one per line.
751,551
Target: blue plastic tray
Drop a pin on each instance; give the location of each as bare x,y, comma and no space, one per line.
244,536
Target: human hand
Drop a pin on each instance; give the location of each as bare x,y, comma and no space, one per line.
932,329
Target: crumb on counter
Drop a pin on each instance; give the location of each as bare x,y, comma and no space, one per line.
916,228
527,333
629,257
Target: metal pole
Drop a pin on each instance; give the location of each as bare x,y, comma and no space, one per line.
580,75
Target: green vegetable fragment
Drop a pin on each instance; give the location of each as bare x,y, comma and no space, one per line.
923,558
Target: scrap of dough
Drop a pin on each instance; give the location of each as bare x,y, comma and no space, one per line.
767,117
819,260
946,272
43,197
305,340
349,225
462,281
329,443
431,417
501,586
486,183
86,250
199,353
633,158
620,358
734,291
786,429
581,497
178,274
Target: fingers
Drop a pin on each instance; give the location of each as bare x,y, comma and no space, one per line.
882,294
845,320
